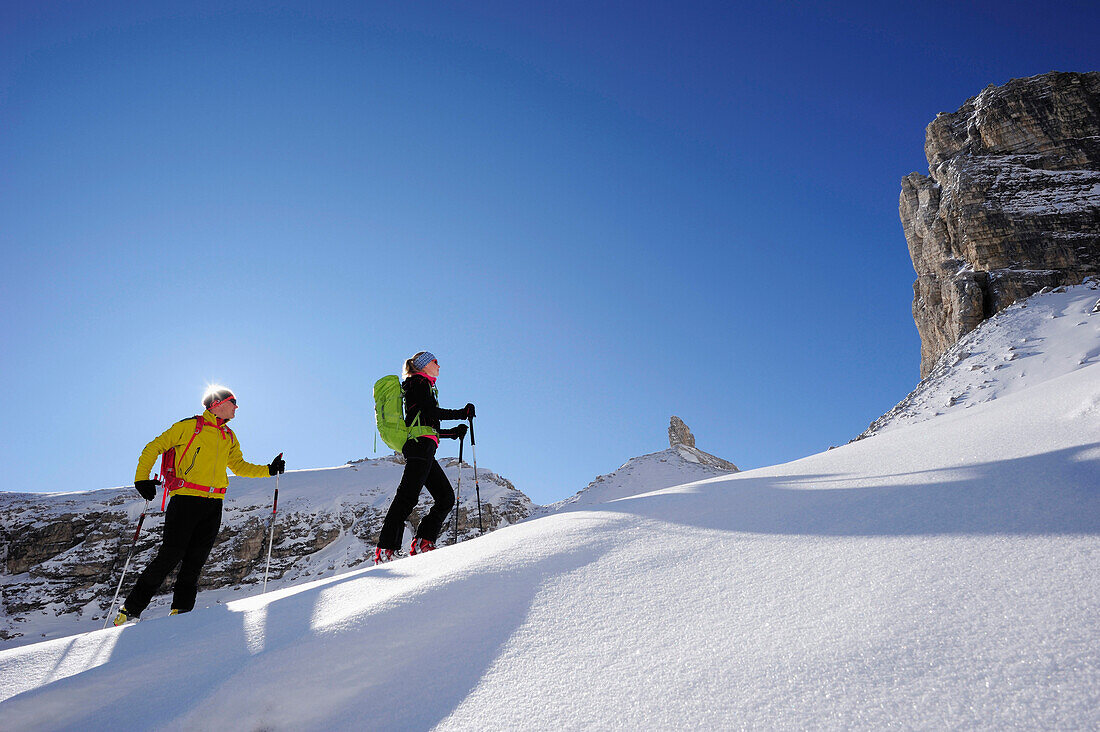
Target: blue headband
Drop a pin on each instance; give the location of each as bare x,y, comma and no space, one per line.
422,361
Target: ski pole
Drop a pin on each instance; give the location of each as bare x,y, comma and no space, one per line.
271,528
127,564
458,489
477,488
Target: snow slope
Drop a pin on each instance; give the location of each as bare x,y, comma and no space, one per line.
1040,338
939,574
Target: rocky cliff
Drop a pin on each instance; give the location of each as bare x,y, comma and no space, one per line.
1011,204
61,554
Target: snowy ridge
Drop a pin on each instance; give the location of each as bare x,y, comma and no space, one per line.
643,474
1041,338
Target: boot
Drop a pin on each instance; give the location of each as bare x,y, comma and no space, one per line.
419,546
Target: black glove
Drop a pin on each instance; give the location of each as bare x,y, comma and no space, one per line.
278,465
147,488
453,433
470,411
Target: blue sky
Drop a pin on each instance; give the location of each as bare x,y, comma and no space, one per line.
597,215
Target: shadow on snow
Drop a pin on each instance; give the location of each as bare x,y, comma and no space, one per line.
282,665
1047,494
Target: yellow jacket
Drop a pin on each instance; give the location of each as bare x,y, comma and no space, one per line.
213,450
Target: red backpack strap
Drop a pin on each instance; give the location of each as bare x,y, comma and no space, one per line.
198,429
167,473
168,463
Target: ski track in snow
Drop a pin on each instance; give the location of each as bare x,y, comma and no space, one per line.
940,574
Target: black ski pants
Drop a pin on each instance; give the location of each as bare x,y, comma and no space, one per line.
421,471
191,525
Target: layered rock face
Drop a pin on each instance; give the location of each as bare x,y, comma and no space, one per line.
1011,204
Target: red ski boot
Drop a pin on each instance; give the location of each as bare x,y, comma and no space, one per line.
419,546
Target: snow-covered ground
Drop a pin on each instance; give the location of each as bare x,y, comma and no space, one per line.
1041,338
939,574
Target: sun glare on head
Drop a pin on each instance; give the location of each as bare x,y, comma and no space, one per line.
213,388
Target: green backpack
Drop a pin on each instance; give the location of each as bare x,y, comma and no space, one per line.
389,414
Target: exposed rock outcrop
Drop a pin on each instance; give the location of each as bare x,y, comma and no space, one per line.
681,440
679,434
1011,204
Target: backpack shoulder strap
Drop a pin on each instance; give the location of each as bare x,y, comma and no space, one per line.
198,428
167,465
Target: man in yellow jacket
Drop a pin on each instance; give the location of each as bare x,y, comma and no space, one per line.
203,451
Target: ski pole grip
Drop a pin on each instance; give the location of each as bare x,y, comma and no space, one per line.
472,441
460,441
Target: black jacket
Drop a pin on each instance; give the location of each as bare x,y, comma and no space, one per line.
420,399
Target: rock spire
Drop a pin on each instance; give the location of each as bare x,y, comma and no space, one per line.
682,441
679,434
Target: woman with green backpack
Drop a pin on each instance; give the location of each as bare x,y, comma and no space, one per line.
422,417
